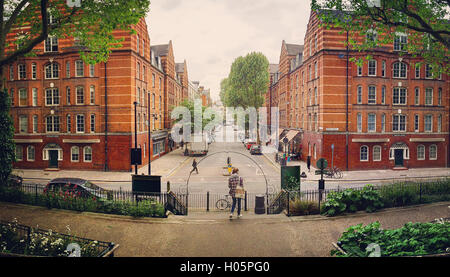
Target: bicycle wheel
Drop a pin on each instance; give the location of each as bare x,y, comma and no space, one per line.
222,204
338,173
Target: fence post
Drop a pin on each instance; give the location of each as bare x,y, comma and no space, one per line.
420,193
35,194
288,204
207,201
245,201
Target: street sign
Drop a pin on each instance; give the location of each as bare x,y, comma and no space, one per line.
136,156
322,163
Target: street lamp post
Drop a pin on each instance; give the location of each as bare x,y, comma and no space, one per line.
135,135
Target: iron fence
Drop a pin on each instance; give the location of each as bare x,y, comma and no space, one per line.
17,239
35,194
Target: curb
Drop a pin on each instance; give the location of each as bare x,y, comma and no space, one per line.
173,219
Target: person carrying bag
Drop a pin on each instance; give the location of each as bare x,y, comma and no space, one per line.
237,192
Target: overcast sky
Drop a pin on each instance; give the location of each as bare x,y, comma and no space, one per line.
210,34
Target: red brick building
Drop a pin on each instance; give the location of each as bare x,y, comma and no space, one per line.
389,113
71,115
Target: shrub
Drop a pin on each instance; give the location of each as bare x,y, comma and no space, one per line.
351,200
413,239
302,207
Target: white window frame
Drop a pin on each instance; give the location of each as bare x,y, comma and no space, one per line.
92,95
374,123
19,158
55,98
439,123
428,124
53,69
55,128
92,123
34,97
69,123
400,91
76,95
29,147
383,69
33,71
421,151
359,70
51,44
430,156
400,42
23,91
383,123
417,96
416,123
21,69
427,90
402,68
359,94
417,71
399,125
85,150
72,152
361,152
359,120
79,68
383,95
373,154
78,116
23,122
91,70
372,67
35,124
372,100
428,71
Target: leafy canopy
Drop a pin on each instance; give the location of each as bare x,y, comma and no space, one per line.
426,23
247,82
92,24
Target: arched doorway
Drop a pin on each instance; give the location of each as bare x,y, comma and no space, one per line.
52,153
399,152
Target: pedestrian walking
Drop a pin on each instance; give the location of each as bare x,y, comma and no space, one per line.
236,186
308,163
194,166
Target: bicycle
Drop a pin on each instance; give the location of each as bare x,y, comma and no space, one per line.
223,203
334,172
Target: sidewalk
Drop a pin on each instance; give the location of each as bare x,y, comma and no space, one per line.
369,175
214,235
162,166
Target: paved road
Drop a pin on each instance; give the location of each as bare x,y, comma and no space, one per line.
254,169
212,235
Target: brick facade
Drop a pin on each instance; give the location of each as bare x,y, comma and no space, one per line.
390,117
84,115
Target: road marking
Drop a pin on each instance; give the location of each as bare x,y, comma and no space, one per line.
178,168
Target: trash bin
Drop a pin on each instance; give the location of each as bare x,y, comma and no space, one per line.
260,207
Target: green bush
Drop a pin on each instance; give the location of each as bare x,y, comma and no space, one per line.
413,239
69,201
351,200
303,207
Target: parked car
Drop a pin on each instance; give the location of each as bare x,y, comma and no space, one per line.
80,187
255,149
249,144
14,180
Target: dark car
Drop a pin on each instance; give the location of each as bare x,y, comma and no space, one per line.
79,187
255,149
14,180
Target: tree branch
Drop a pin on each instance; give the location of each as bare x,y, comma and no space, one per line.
42,36
14,16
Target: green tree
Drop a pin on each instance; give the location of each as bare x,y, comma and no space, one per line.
247,83
424,21
7,146
92,23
